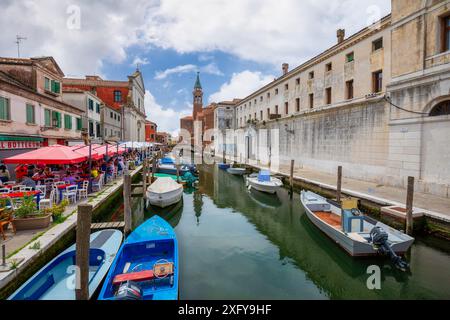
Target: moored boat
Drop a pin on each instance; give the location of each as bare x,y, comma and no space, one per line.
146,267
264,182
237,171
357,234
56,280
164,192
224,166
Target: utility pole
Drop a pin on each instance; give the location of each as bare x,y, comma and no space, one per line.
18,42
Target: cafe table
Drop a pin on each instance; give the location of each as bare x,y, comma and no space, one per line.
16,195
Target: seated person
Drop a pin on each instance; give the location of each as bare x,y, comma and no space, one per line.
69,178
94,172
28,182
4,173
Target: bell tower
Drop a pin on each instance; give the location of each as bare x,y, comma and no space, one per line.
198,97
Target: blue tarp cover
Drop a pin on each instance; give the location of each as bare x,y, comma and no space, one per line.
264,176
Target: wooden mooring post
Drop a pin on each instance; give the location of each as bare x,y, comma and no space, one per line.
127,203
144,178
4,255
339,185
154,160
409,206
82,255
291,179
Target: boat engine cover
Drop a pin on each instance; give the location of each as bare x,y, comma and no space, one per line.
129,291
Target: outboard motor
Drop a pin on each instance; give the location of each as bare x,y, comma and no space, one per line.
129,291
380,242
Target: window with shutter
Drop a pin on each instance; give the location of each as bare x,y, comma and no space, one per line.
47,116
30,114
79,124
67,121
56,118
47,84
4,109
97,106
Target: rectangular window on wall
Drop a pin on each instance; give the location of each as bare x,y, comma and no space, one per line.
47,84
31,119
56,119
350,57
91,129
118,118
261,115
286,107
297,105
91,104
377,79
47,118
311,100
117,96
79,124
349,90
377,44
328,98
276,110
97,107
268,113
5,113
445,34
67,122
98,130
55,86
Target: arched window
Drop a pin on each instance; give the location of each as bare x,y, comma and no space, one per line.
441,109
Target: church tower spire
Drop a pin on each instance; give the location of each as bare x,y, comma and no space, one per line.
198,97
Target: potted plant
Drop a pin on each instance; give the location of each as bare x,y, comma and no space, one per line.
57,211
27,217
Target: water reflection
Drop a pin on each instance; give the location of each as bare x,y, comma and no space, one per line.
240,245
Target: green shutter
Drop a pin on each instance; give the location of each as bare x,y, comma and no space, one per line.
79,124
57,87
58,117
30,113
3,108
47,115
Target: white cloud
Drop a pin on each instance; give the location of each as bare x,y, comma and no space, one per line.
211,68
140,61
241,85
160,75
268,31
167,119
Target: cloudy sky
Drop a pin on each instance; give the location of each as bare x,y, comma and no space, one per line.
237,45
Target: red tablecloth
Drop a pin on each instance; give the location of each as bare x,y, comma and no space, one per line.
19,194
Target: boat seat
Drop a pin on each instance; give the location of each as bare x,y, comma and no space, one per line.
134,276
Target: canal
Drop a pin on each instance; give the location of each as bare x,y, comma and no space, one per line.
236,244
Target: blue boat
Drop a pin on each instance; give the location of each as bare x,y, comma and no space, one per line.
146,267
224,166
56,281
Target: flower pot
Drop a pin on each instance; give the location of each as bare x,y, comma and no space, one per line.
33,223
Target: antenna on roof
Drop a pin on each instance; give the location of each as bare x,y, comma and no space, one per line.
18,42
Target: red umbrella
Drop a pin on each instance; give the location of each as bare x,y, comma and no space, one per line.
55,154
112,150
84,150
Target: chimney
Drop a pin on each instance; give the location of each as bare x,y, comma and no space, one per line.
285,68
340,35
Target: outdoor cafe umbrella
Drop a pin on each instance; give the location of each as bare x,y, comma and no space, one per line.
56,154
84,150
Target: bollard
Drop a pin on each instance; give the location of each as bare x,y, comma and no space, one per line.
127,203
409,206
82,251
291,179
339,185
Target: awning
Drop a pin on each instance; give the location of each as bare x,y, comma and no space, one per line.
16,138
56,154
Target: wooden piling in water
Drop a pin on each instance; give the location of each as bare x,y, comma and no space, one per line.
127,203
154,160
339,185
144,174
82,251
409,206
291,179
3,255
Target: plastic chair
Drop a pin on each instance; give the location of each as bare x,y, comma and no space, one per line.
98,184
4,190
83,192
70,194
17,188
43,189
9,183
26,189
47,203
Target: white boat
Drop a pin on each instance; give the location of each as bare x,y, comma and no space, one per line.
237,171
356,233
164,192
264,182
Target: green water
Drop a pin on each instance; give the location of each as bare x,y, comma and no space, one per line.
236,244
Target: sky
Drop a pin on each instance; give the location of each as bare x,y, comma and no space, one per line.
237,46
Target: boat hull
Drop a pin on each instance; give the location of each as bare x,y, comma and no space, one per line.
224,166
268,187
56,280
164,200
237,171
153,241
351,246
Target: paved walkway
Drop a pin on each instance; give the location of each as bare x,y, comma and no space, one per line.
431,205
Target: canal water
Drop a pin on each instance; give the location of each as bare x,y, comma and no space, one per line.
236,244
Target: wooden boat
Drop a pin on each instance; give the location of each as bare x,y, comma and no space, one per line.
56,280
357,234
164,192
168,166
264,182
147,265
237,171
